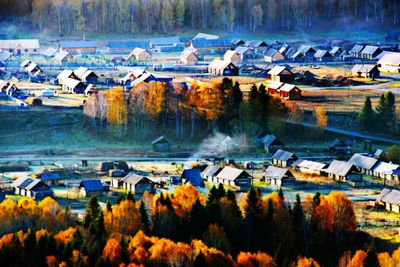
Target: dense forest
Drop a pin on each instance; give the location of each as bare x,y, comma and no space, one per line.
186,228
162,16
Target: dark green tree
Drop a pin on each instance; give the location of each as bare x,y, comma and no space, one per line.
367,115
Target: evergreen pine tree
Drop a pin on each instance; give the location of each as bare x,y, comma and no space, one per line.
367,115
145,217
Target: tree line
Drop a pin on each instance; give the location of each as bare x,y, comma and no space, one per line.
151,16
173,108
186,228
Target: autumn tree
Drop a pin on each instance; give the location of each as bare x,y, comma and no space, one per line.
320,117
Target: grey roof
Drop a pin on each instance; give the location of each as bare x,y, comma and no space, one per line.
134,179
335,49
282,155
206,36
25,63
237,41
357,48
273,172
271,52
211,170
304,49
25,43
322,53
60,55
26,183
383,193
361,161
308,164
220,64
78,44
385,167
50,52
390,59
370,50
242,50
268,139
4,55
391,197
231,174
92,185
363,68
211,43
339,167
378,153
297,54
255,43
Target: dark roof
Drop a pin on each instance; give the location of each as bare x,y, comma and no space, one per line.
78,44
282,155
92,185
193,176
269,139
128,44
210,42
255,43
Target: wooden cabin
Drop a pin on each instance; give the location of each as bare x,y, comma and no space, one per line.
232,56
366,71
32,188
79,47
278,176
290,92
343,171
234,177
223,68
283,158
281,74
273,55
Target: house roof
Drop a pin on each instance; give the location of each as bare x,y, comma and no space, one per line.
268,140
193,176
231,174
220,64
31,67
158,41
378,153
385,167
25,63
390,59
211,170
242,50
391,197
297,54
370,50
363,68
288,87
229,54
92,185
308,164
134,179
206,36
275,85
304,49
211,43
361,161
187,53
282,155
383,193
273,172
71,83
271,52
136,52
276,70
237,41
60,55
25,43
339,167
65,74
83,72
322,53
357,48
78,44
4,55
255,43
128,44
26,183
160,139
335,49
50,52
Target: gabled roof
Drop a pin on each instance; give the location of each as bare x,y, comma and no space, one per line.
378,153
65,74
288,87
308,164
255,43
160,139
391,197
78,44
383,193
231,174
193,176
71,83
4,55
128,44
187,53
271,52
134,179
297,54
268,140
322,53
361,161
370,50
390,59
211,43
237,41
338,167
220,64
275,85
83,72
304,49
335,49
229,54
282,155
276,70
206,36
385,167
363,68
31,67
25,43
92,185
25,63
211,170
50,52
26,183
357,48
60,55
242,50
273,172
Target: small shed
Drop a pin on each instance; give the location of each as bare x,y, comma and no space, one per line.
281,74
273,87
161,144
189,57
283,158
290,92
278,176
193,177
91,187
138,54
323,56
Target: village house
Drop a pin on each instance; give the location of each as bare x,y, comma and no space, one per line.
385,170
285,50
62,57
308,166
132,75
211,46
210,173
4,57
390,199
290,92
223,68
49,52
33,69
89,188
273,55
341,147
138,54
32,188
366,71
189,57
271,143
86,75
305,53
237,42
159,42
345,56
73,86
363,163
273,87
64,75
390,62
126,46
79,47
370,52
336,51
206,36
278,176
356,50
161,144
259,47
48,177
297,57
245,53
323,56
20,46
234,177
281,74
343,171
136,184
192,176
283,158
232,56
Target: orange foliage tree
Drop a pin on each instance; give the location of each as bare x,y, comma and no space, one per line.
259,259
117,112
184,198
123,218
112,251
358,259
306,262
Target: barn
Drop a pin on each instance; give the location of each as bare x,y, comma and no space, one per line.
290,92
